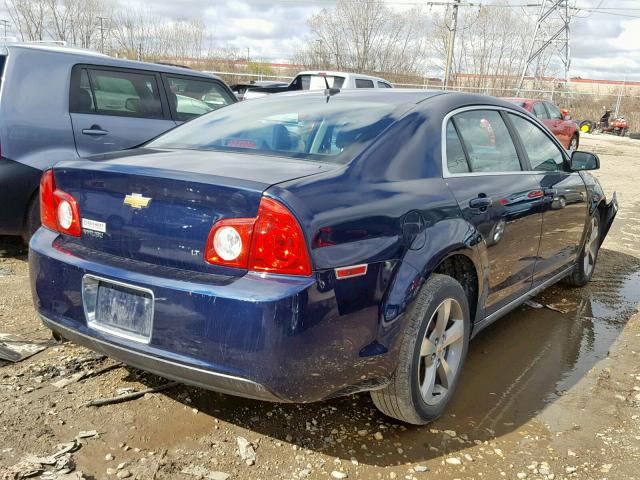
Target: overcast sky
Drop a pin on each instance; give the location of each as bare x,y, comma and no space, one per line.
603,45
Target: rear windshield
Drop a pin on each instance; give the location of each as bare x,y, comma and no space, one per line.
317,82
300,126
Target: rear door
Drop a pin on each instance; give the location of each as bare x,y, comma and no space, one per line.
190,97
114,109
565,199
497,195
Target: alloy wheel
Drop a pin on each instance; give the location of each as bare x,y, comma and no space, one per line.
591,248
441,352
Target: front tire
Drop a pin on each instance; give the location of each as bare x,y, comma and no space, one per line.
574,143
586,263
434,347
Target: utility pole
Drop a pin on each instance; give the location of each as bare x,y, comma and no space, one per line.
102,33
5,23
451,42
248,56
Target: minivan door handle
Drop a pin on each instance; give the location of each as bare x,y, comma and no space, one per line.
481,203
95,130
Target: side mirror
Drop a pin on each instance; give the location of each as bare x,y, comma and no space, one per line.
564,113
584,161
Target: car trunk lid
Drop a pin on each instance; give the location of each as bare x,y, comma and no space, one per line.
158,206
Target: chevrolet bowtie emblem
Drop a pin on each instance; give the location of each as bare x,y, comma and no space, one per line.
136,200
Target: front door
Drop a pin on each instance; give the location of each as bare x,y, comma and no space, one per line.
498,197
114,109
565,200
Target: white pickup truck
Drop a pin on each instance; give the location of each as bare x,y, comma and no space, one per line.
317,80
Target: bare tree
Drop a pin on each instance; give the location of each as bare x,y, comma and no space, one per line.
365,36
29,18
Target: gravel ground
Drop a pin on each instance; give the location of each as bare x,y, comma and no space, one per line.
549,393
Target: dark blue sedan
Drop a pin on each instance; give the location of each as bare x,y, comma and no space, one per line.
304,246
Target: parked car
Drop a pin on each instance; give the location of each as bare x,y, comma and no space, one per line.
557,120
317,80
304,246
59,103
240,89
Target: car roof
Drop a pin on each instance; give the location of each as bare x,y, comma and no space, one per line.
405,96
97,58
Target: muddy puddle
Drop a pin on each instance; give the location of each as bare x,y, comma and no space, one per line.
515,368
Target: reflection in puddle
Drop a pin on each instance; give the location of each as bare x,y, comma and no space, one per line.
515,368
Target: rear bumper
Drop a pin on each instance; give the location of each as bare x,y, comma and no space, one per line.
183,373
288,339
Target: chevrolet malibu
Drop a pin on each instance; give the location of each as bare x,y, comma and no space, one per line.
300,247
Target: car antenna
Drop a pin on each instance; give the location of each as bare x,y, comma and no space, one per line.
329,92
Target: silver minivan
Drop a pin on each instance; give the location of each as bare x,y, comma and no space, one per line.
59,103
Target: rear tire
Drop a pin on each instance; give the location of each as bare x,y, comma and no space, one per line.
434,347
32,219
586,263
586,126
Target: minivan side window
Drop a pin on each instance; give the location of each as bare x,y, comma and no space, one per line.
539,111
81,98
190,97
544,155
126,93
362,83
488,141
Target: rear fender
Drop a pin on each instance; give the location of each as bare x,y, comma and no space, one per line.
444,239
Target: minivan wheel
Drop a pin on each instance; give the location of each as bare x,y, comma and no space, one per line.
434,346
586,263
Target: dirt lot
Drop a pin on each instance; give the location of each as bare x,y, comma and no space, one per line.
546,393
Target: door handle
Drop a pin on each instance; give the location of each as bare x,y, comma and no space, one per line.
95,130
480,202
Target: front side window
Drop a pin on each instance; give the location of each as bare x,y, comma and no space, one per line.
488,142
306,127
383,85
362,83
544,155
126,93
554,113
539,111
190,98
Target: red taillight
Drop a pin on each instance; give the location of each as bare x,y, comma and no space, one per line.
272,242
58,210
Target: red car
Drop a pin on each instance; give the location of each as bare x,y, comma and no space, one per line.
556,120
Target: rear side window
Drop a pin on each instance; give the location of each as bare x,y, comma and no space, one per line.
81,98
544,155
539,111
554,113
362,83
488,142
125,93
456,158
383,85
190,98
